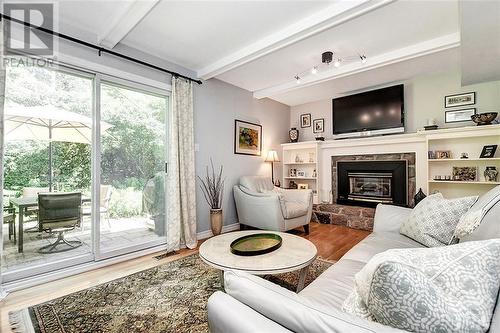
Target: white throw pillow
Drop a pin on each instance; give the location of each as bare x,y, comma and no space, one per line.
446,289
433,221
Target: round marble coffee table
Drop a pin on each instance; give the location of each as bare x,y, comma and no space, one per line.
295,253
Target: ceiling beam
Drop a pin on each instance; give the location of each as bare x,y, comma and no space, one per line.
338,13
406,53
136,11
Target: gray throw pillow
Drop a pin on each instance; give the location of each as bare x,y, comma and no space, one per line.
443,289
433,221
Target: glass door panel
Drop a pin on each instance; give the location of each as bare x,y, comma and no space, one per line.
133,151
48,136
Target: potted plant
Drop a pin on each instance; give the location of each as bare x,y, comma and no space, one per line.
212,186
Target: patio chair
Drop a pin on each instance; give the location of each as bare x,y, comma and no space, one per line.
9,217
105,196
31,213
59,212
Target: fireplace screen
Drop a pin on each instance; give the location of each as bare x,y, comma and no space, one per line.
373,187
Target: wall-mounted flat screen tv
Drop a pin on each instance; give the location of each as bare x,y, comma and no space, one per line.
373,112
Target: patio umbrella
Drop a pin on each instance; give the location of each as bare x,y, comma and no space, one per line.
48,123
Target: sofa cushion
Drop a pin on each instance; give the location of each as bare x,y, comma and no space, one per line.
379,242
292,209
257,184
433,221
447,289
479,214
333,286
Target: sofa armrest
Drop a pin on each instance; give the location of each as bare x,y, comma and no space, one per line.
388,218
226,314
291,310
304,196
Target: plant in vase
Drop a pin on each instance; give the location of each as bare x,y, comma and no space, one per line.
212,186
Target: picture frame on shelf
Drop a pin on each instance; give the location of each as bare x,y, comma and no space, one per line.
462,99
431,154
319,125
303,186
301,173
465,173
305,120
457,116
442,154
247,138
488,151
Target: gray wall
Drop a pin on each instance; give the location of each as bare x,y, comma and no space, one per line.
424,99
217,105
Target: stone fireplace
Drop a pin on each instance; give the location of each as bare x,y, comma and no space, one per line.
366,180
368,183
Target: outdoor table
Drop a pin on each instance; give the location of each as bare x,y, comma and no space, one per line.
23,204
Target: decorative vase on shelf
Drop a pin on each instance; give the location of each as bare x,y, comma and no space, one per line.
293,134
491,174
419,196
216,221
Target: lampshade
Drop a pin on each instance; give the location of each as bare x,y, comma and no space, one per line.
272,156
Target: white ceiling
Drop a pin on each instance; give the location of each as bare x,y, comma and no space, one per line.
261,45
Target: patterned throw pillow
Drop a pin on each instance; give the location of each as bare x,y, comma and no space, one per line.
446,289
433,221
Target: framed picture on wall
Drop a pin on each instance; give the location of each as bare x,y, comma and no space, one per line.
247,138
455,116
305,120
452,101
319,125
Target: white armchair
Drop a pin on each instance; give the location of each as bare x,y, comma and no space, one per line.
261,205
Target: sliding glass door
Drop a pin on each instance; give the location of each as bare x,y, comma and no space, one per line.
132,174
71,132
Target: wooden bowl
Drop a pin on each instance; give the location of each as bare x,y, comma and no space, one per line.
484,118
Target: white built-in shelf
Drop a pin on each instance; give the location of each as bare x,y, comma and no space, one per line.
464,159
299,163
463,182
300,177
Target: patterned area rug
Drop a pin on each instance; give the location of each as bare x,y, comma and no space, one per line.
167,298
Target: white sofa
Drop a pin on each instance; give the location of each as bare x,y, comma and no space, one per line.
252,304
261,205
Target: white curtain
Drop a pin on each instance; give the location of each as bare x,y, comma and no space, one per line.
181,187
3,294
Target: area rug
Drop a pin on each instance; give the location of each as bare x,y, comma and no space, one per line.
167,298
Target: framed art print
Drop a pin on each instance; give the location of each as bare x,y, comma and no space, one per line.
319,125
455,116
305,120
247,138
488,151
452,101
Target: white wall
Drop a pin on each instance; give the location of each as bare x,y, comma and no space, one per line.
217,105
424,99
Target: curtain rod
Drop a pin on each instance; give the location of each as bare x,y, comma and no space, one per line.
96,47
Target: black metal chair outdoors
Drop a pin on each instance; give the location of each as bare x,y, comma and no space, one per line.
59,212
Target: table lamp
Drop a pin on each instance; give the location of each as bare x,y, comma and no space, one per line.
272,156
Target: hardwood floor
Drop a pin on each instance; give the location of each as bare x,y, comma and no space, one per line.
332,242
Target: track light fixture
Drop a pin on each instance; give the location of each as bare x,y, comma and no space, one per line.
328,58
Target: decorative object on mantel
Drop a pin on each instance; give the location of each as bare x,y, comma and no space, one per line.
431,124
419,196
456,116
247,138
488,151
293,134
320,138
465,174
485,118
464,156
460,100
272,156
443,154
305,120
491,174
212,187
319,125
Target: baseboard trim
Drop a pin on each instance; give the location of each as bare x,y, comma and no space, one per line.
227,228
